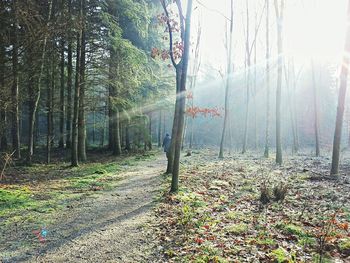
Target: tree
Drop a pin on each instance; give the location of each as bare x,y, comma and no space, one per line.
16,146
279,9
35,86
229,72
82,83
267,57
77,85
69,79
341,99
181,76
62,100
316,110
249,50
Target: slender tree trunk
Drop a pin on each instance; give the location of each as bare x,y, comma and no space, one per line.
74,150
184,133
127,136
255,89
228,84
182,99
103,128
315,100
81,115
69,82
248,55
93,126
341,100
294,109
49,105
159,128
150,131
3,120
16,146
34,93
117,149
290,106
279,16
62,101
192,133
246,119
175,123
267,124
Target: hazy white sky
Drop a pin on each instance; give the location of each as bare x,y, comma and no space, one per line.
312,28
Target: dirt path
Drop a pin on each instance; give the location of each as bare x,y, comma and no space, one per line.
110,227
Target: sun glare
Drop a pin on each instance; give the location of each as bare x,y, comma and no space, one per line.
312,29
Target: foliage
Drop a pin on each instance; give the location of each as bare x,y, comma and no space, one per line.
230,218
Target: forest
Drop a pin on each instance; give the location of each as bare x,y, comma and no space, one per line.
174,131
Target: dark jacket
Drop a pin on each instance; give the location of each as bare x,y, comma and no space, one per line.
166,143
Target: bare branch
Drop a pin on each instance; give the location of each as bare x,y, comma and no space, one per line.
170,34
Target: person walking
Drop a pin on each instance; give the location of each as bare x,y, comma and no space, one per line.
166,144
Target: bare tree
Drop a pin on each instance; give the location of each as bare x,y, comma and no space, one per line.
279,8
341,99
316,110
267,56
181,77
229,73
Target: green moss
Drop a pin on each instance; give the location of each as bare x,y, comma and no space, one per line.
12,199
292,229
280,255
306,241
344,245
266,242
237,229
234,215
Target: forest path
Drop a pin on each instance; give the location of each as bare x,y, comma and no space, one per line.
111,226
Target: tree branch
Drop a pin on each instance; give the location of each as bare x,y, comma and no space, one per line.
170,34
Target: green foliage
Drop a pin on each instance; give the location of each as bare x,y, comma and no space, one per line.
14,198
281,256
237,229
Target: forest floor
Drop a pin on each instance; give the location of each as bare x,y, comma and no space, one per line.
105,210
98,212
225,210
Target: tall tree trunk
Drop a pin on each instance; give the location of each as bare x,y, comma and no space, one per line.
255,89
290,104
62,102
279,16
150,131
117,149
3,120
34,92
246,119
74,150
171,154
93,126
316,109
16,146
248,55
159,135
228,83
341,100
127,136
267,124
182,99
81,114
49,105
69,82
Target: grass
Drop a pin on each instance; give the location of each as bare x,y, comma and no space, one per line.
39,191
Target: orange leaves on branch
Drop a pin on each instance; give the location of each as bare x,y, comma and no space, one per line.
205,112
